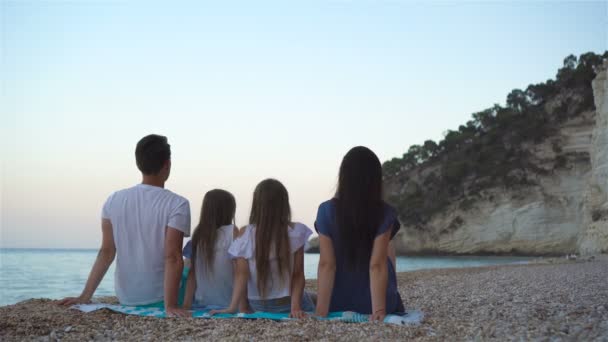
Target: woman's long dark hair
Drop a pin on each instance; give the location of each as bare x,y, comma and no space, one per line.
271,215
359,206
218,210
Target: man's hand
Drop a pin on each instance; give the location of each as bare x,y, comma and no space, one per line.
177,312
69,301
104,259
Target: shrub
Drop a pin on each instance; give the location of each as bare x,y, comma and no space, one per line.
493,143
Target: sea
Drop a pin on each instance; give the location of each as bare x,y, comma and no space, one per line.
57,273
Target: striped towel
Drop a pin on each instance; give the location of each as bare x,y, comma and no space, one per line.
411,317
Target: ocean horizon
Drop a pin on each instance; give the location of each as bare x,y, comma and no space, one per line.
55,273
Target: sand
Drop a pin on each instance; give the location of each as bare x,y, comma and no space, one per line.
556,300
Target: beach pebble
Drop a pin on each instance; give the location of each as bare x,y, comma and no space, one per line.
542,301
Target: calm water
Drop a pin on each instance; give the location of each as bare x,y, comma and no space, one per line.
55,273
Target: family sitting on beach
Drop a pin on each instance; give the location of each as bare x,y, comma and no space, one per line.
259,267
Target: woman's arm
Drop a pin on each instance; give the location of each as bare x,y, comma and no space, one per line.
297,284
239,291
105,257
392,255
325,275
190,288
378,276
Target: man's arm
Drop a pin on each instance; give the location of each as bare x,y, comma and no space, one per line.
105,257
173,271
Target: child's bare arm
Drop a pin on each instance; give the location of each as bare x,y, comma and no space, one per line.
239,290
190,288
297,284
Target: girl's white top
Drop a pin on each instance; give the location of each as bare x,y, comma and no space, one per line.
215,288
244,247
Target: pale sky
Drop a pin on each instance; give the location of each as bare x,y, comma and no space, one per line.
245,91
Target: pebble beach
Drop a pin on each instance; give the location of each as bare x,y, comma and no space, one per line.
554,299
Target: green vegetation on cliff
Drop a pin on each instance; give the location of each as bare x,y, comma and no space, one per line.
490,149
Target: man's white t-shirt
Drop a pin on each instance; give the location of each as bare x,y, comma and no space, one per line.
140,216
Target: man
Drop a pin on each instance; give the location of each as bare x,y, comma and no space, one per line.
144,227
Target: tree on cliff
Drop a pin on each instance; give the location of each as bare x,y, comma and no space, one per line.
489,150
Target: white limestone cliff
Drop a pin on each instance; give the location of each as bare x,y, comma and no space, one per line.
567,212
593,237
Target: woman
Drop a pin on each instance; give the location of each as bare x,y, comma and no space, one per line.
355,228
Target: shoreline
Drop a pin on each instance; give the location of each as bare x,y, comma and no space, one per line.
552,298
524,260
473,255
429,254
57,284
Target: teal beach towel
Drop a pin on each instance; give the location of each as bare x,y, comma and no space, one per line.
411,317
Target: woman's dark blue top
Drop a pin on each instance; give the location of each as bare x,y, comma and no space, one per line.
351,290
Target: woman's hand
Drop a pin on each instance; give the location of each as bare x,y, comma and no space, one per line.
69,301
378,316
297,313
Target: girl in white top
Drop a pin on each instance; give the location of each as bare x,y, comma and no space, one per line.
210,278
269,256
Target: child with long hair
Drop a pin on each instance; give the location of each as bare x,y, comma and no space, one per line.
355,271
210,278
269,256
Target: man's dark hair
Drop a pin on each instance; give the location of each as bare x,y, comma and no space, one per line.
151,153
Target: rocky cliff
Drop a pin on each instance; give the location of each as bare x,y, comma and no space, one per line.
549,197
593,233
